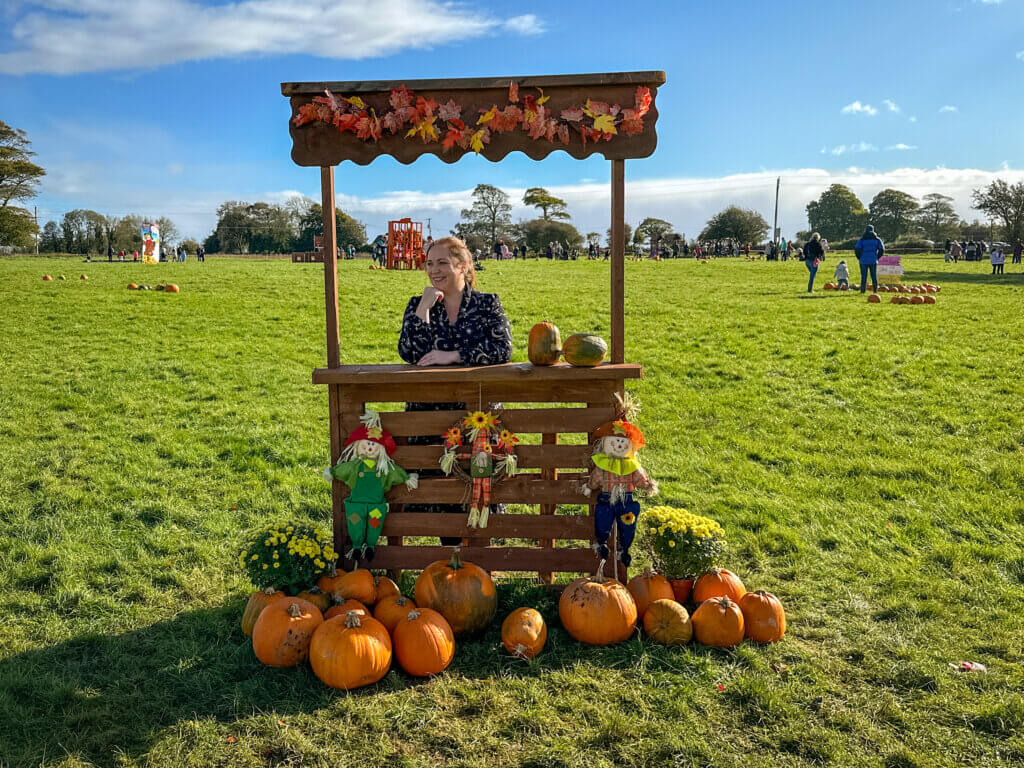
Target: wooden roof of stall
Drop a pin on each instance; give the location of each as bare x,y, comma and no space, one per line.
321,144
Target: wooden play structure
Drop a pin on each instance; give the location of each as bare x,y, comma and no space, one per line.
552,401
405,244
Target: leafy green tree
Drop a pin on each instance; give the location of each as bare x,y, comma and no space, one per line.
50,240
551,207
19,176
83,231
1003,203
893,213
837,214
936,217
489,217
734,223
628,235
651,229
127,234
17,226
348,231
540,232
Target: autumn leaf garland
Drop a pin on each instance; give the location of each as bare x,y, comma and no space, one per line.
594,121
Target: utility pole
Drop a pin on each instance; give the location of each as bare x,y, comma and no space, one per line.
430,232
775,223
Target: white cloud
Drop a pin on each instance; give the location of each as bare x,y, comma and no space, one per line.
900,147
948,108
856,108
71,36
891,105
862,146
1020,55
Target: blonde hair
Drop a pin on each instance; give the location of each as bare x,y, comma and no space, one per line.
459,250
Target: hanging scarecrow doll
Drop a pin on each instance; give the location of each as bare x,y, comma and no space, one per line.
617,475
367,468
491,458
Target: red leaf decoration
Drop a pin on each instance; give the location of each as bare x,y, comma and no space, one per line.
391,121
307,114
450,111
643,100
513,92
563,134
573,115
631,126
401,97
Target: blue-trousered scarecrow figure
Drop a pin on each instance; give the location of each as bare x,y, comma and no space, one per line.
367,468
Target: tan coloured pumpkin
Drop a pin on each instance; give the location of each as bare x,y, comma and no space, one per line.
764,619
424,643
718,582
523,633
317,597
647,587
344,607
544,345
282,633
597,610
350,651
668,622
461,592
392,610
354,585
718,622
258,600
384,587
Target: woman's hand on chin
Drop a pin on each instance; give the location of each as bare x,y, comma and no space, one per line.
440,357
430,297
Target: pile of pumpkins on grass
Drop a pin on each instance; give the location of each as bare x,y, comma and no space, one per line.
166,288
351,626
908,294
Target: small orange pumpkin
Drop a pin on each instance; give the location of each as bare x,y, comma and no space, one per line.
424,643
718,582
258,600
349,605
929,299
392,610
597,610
668,622
917,299
85,277
317,597
384,587
647,587
171,288
874,298
764,620
523,633
718,622
132,287
282,633
47,279
354,585
461,592
350,651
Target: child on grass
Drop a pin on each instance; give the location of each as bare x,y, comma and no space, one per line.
843,273
997,258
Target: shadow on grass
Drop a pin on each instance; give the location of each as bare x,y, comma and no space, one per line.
103,697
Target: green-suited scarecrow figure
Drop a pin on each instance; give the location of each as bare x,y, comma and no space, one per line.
367,468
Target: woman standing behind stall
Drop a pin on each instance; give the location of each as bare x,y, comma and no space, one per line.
451,323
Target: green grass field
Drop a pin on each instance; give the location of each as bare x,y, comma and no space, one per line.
864,460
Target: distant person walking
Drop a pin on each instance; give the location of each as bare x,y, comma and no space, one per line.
956,251
869,249
1018,249
200,254
814,254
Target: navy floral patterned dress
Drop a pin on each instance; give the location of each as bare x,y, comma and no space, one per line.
481,334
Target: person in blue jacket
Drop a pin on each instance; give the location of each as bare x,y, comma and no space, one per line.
869,249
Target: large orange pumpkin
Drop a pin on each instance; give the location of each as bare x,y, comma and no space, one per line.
874,298
317,597
392,610
461,592
718,582
597,610
355,585
647,587
545,344
350,651
523,633
282,633
384,587
424,643
258,600
349,605
681,589
718,622
171,288
764,620
668,622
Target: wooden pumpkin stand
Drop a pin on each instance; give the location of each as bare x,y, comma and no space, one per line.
591,392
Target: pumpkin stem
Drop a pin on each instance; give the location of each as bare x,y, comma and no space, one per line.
413,614
294,611
648,572
402,600
519,650
352,619
269,591
599,576
456,562
315,590
333,573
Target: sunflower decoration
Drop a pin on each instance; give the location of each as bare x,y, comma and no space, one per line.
491,457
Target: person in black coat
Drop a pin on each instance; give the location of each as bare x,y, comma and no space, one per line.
814,254
452,323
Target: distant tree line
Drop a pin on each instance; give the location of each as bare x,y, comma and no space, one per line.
269,228
85,231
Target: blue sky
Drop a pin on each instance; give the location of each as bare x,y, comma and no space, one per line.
168,107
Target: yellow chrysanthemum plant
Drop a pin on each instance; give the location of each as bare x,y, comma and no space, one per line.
682,544
287,556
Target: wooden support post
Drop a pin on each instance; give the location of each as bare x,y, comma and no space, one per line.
618,248
334,399
548,509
